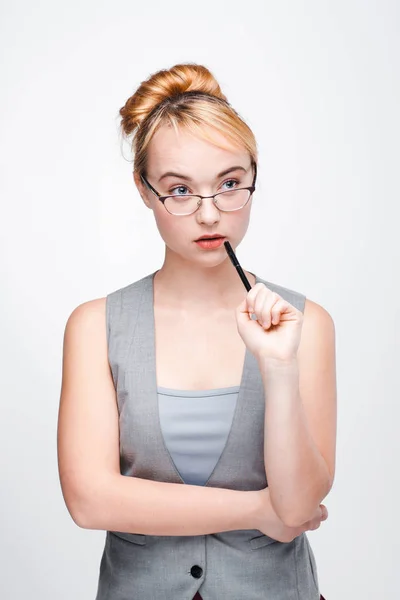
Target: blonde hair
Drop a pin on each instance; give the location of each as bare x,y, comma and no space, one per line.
188,96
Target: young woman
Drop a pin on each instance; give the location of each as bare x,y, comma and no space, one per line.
182,392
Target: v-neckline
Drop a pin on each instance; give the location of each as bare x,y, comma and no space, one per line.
154,391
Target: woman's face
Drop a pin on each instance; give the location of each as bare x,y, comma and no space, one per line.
196,164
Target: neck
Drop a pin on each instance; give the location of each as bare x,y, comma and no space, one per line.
195,287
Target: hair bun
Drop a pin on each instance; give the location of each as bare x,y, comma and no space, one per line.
163,84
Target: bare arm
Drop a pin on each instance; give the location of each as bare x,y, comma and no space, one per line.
300,421
136,505
96,494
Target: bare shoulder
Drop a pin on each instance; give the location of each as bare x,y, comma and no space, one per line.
87,314
85,340
316,316
317,334
316,310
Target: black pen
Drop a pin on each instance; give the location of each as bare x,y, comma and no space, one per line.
237,266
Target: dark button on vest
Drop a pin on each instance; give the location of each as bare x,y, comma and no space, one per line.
196,571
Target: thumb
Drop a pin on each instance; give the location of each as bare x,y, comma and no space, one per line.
242,313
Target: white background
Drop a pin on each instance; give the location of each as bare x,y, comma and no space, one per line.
318,82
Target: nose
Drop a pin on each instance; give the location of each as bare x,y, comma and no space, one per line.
208,213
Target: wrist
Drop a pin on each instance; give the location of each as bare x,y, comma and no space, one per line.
277,362
259,506
274,366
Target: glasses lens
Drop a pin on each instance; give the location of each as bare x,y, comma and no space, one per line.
232,200
186,204
181,205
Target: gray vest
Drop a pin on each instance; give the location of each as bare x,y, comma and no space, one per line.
240,564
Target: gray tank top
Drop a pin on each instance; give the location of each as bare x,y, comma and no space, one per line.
195,425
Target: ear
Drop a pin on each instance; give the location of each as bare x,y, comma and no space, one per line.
143,191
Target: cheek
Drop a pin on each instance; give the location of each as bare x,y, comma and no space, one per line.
169,226
161,216
239,221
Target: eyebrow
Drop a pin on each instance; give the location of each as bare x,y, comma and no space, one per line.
180,176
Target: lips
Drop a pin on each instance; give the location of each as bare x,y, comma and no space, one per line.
210,237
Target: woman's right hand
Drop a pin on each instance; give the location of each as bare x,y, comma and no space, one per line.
270,524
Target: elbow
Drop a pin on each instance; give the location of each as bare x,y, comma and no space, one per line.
89,513
78,507
297,519
299,515
84,501
84,519
90,509
289,515
293,521
80,514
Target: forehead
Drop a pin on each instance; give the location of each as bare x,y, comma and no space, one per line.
172,149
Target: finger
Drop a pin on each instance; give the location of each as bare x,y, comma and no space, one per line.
242,312
264,305
254,295
277,310
259,302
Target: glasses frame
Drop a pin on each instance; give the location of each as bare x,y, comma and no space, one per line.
162,199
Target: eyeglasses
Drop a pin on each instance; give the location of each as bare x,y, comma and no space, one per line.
187,204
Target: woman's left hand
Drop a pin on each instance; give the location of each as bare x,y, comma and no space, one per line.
276,333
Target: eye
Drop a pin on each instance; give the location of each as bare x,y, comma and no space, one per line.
231,181
180,192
